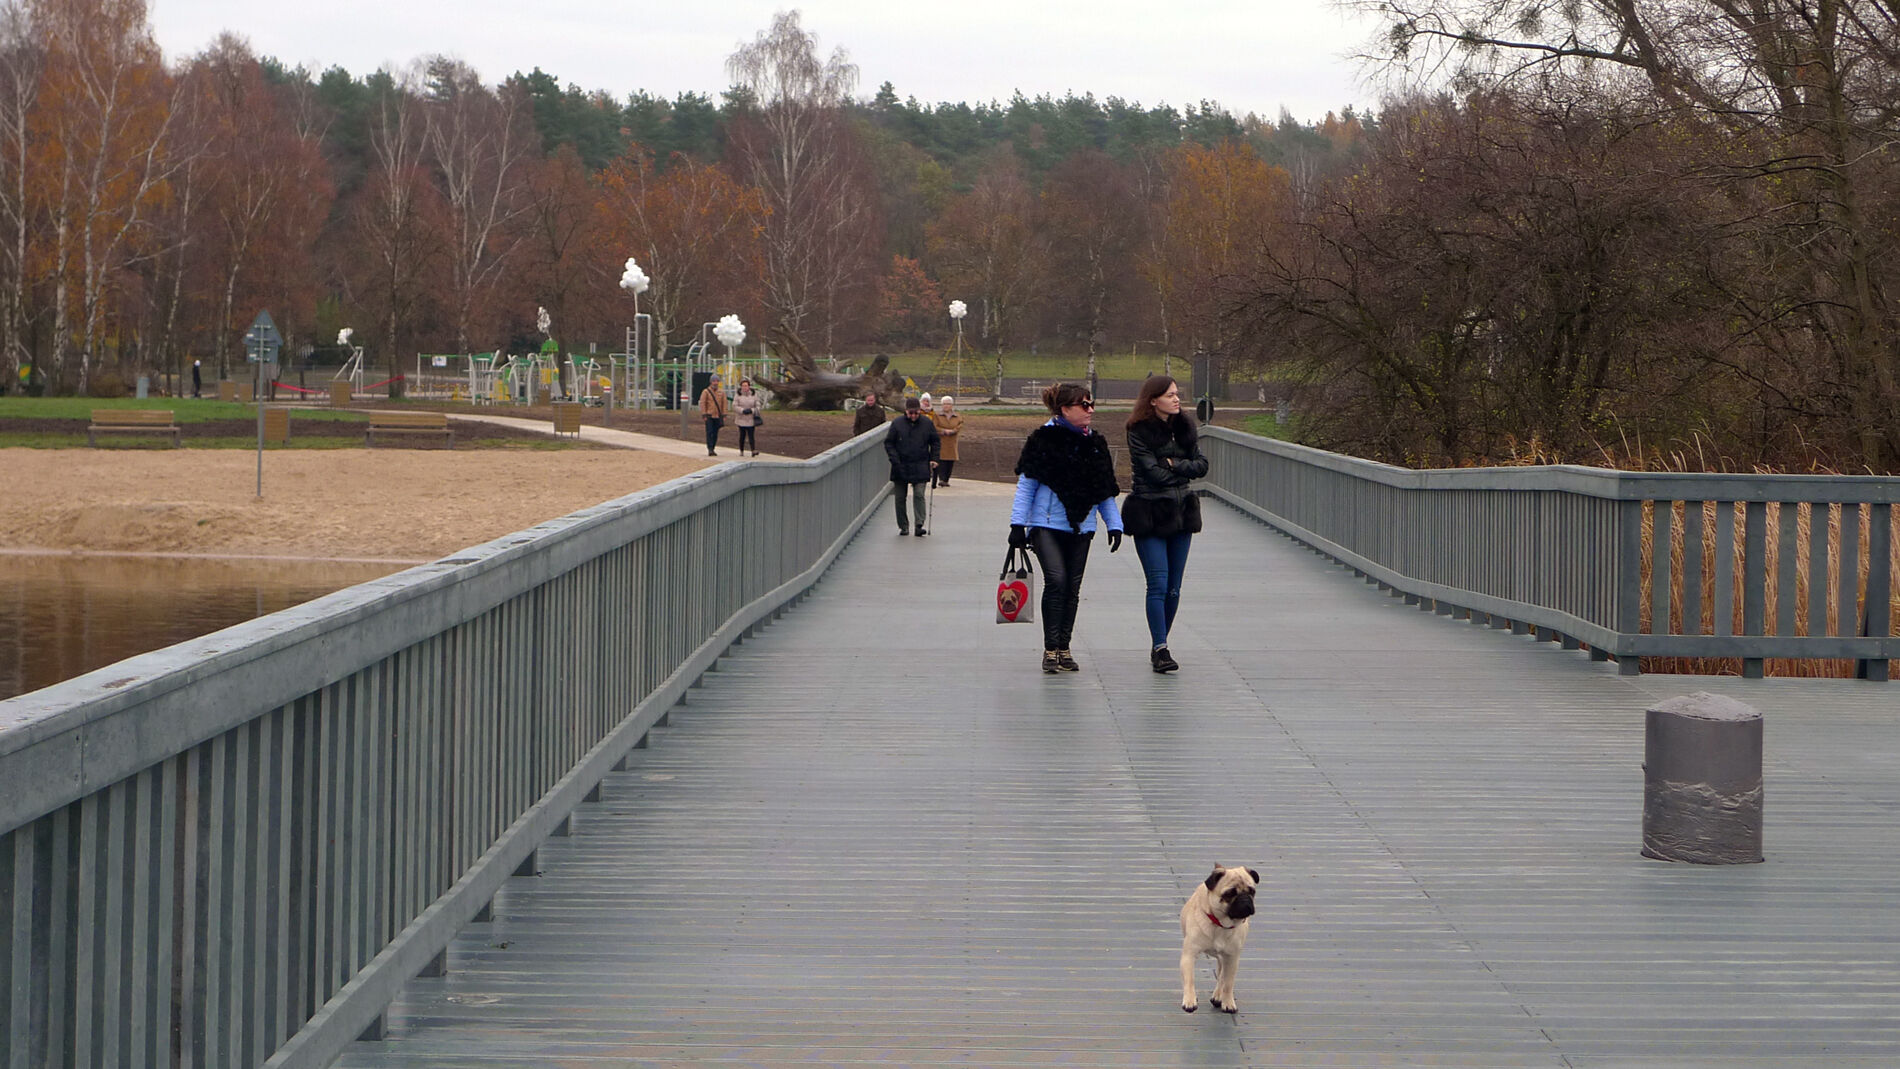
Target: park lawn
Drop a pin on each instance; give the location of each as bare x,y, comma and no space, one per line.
1264,425
1021,364
183,409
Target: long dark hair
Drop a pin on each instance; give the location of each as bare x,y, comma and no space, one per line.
1063,394
1153,387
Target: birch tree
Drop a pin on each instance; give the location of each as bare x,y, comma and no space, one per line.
482,143
796,145
102,135
21,61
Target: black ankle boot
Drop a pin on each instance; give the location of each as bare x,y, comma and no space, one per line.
1163,660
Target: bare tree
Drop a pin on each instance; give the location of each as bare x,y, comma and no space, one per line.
986,246
482,143
396,221
108,106
797,147
1093,221
1804,92
21,60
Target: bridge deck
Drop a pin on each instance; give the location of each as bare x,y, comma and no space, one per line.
879,835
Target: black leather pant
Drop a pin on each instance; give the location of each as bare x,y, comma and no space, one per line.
1063,556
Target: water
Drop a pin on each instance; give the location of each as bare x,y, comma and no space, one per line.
63,616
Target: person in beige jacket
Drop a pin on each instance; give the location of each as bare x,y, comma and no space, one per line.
712,409
948,424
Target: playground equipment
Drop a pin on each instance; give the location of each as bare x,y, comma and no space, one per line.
644,380
441,377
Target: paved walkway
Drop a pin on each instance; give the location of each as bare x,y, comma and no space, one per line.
593,432
879,835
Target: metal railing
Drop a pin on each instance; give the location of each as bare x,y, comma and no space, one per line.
235,851
1630,564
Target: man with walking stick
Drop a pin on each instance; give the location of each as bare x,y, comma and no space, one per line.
913,445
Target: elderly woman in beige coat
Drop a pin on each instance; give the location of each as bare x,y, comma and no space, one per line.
949,424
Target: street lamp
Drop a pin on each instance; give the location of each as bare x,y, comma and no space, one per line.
635,281
731,334
957,311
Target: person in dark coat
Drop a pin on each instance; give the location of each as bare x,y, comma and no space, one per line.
913,446
1065,479
870,414
1162,513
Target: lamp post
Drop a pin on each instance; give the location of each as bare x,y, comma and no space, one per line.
634,281
957,311
731,334
545,325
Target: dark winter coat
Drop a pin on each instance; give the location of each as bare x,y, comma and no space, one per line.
1166,458
912,444
868,416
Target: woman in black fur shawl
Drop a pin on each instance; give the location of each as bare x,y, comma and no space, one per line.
1064,479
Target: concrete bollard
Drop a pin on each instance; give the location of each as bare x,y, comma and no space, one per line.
1702,789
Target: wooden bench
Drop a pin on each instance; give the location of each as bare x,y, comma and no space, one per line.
408,423
132,420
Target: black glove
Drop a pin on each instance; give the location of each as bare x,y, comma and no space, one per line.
1114,541
1018,537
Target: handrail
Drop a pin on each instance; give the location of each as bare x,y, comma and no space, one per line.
236,850
1569,552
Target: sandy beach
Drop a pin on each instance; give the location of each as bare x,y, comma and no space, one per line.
386,504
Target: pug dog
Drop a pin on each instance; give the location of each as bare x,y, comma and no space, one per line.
1214,922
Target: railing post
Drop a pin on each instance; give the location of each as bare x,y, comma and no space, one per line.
1754,579
1877,620
1628,611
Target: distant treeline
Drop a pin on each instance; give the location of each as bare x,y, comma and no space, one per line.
1627,236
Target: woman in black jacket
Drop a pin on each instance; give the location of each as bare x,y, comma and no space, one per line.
1162,514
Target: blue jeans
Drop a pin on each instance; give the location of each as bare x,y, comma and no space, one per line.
1164,562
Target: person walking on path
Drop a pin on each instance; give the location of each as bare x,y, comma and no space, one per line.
747,408
712,409
948,424
1162,513
870,414
197,379
1065,479
912,445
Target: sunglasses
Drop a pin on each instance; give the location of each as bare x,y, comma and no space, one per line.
1090,405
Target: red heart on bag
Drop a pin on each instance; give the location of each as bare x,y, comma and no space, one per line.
1011,597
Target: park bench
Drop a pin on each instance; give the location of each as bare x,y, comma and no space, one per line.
132,420
408,423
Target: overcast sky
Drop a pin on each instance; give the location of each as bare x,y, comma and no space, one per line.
1249,55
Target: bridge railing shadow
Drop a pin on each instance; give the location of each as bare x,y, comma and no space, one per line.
236,850
1630,564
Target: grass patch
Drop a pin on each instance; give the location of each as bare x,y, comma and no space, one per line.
183,409
1264,425
1022,364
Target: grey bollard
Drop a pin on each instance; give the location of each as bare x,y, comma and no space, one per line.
1702,788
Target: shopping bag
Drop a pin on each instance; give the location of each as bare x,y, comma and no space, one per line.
1016,589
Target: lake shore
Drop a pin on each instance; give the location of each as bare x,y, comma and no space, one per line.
385,505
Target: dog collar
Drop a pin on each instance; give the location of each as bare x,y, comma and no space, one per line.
1217,922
